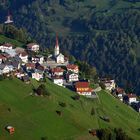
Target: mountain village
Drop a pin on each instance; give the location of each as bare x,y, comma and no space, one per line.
26,63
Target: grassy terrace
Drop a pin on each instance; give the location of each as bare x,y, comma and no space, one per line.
4,39
35,117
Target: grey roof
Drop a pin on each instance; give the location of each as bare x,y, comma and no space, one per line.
25,78
2,66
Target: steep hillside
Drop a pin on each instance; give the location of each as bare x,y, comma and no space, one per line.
35,117
103,33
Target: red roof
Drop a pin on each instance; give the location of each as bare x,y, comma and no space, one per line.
82,85
2,56
32,65
57,77
57,69
72,66
131,95
30,45
89,90
23,54
40,67
7,45
120,90
56,44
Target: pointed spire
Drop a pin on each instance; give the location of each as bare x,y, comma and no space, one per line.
56,50
57,45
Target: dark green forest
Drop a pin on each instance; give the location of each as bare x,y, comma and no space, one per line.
106,33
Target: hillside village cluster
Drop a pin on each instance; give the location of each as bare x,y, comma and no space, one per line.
28,63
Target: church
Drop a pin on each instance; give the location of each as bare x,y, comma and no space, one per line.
59,57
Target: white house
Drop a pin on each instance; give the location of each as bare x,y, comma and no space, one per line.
132,98
60,59
37,75
72,77
6,46
109,84
120,93
30,66
33,47
83,88
5,69
2,58
24,57
58,71
19,74
73,68
38,59
58,80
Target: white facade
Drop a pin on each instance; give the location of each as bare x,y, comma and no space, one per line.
0,60
39,60
5,70
86,93
73,68
24,58
110,84
37,76
60,59
73,77
20,74
120,96
58,81
4,48
33,47
132,99
56,50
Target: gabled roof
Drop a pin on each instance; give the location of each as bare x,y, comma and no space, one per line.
120,90
40,67
2,66
32,65
23,54
57,77
25,78
30,45
72,66
131,95
82,85
57,69
7,45
2,56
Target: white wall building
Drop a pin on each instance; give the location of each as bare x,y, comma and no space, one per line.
24,57
37,76
6,46
72,77
58,81
33,47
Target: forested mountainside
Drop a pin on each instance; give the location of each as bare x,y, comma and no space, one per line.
104,33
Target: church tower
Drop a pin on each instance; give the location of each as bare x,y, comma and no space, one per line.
9,19
56,49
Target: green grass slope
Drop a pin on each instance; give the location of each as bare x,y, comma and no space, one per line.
4,39
35,117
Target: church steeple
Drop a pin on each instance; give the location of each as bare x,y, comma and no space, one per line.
56,50
9,19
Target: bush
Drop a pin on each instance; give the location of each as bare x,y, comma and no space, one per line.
76,97
102,85
62,104
1,77
92,111
41,90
